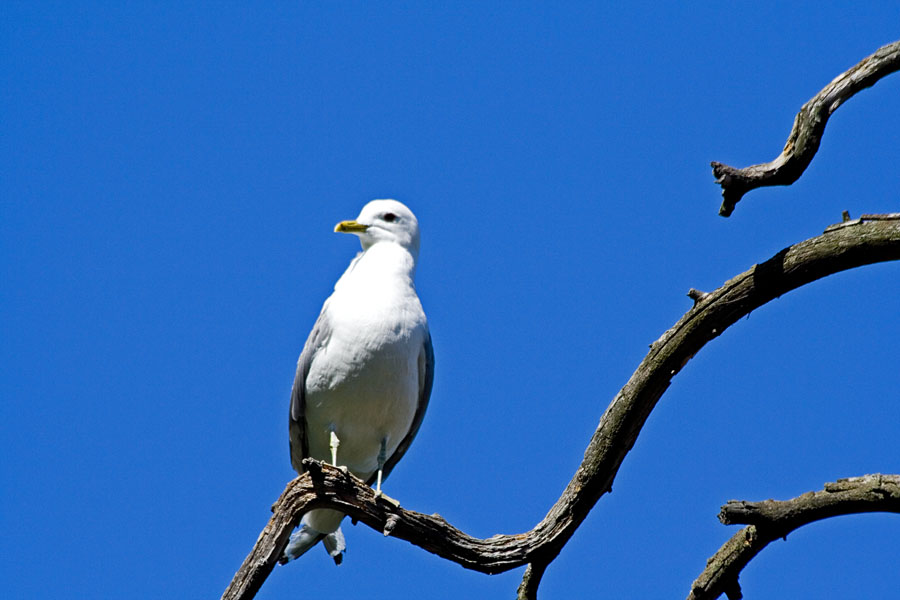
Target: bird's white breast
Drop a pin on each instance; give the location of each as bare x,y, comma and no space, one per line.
364,381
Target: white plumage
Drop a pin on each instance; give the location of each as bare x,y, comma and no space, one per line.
365,374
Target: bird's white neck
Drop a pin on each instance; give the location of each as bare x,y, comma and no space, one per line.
380,262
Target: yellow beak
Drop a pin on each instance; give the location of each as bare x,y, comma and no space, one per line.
350,227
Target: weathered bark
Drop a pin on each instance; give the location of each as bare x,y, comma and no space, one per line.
809,125
773,519
848,246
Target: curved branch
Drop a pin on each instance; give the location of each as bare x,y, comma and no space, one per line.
862,242
325,486
773,519
809,125
865,242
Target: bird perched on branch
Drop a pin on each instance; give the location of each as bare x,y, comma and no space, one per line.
365,374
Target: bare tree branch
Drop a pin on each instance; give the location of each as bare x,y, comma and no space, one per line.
809,125
327,486
868,493
773,519
864,242
710,316
530,581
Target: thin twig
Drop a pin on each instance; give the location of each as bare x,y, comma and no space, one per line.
531,580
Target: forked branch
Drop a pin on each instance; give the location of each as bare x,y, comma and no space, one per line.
860,243
773,519
809,125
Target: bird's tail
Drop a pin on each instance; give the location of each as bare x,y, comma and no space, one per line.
308,535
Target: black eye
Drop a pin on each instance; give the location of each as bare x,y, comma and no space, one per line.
389,217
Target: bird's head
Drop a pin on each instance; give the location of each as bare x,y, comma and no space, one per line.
384,221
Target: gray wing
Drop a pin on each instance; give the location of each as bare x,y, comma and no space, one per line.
299,441
426,379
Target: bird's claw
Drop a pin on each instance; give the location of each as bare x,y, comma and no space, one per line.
379,495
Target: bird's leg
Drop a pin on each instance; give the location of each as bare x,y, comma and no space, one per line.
333,444
382,457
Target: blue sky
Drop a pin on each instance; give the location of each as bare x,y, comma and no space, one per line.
169,179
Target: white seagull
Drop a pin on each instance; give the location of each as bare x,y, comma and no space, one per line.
364,376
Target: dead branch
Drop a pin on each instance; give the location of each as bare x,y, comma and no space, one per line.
806,134
531,580
773,519
867,242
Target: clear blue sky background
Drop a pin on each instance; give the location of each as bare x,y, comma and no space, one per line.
170,178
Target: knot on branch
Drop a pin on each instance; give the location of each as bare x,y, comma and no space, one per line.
389,525
696,295
846,221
